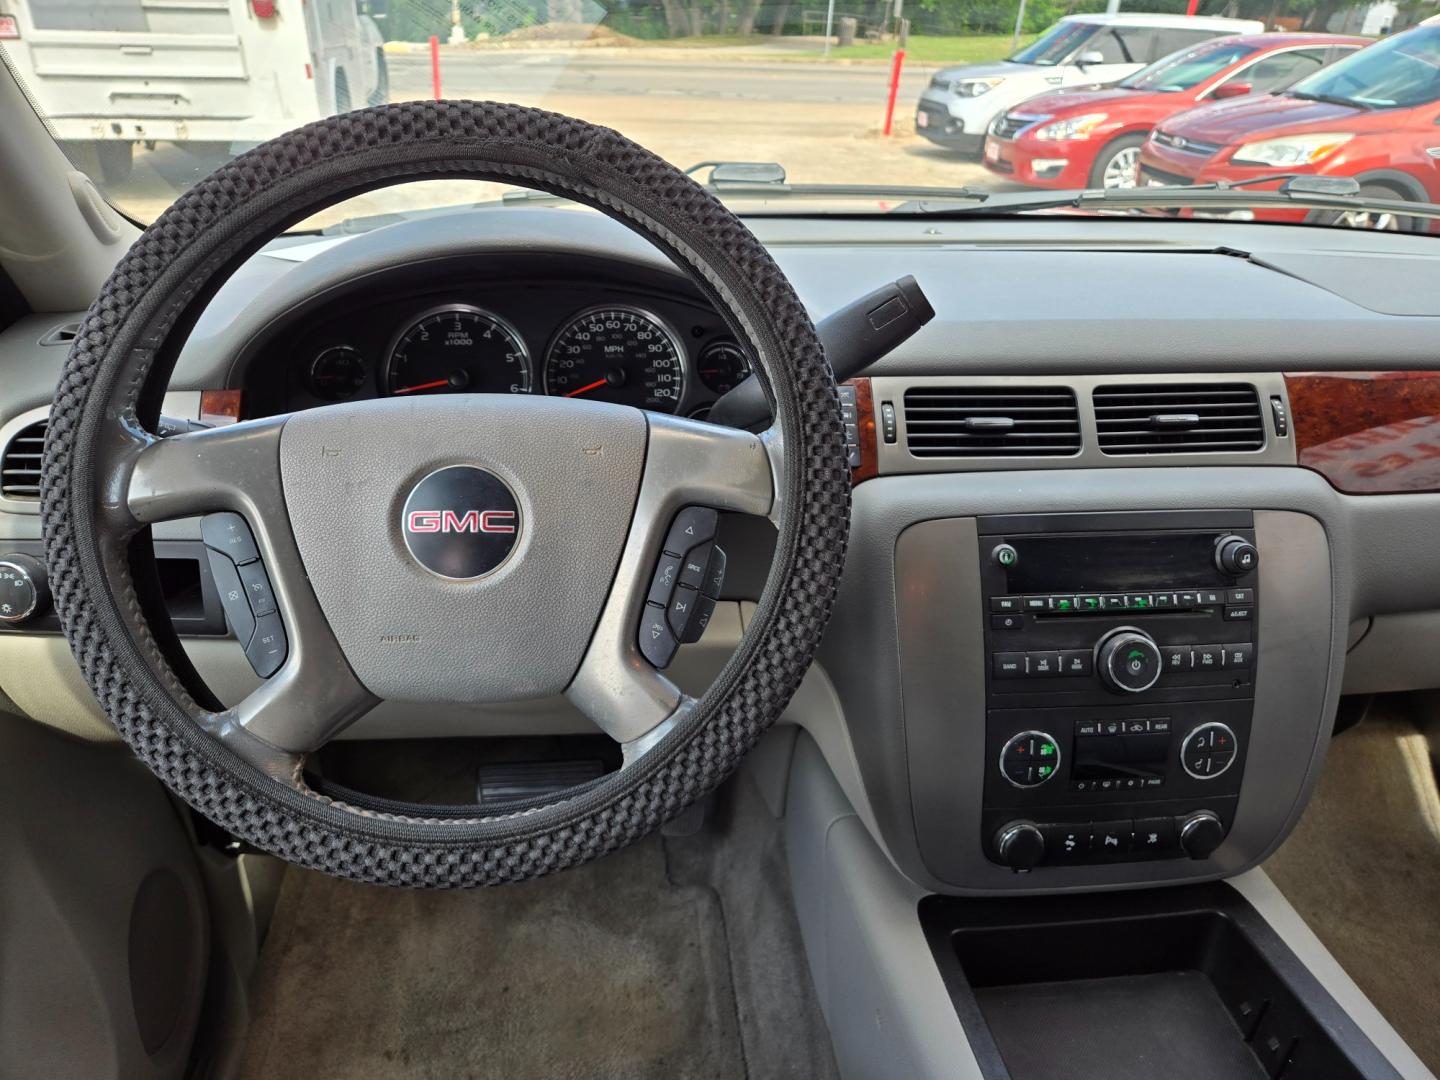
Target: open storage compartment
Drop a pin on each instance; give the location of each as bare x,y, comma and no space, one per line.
1185,983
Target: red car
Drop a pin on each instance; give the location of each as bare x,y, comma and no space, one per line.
1091,136
1374,116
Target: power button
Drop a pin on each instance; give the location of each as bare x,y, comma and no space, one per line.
1005,556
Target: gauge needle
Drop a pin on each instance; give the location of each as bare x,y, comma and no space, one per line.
587,388
423,386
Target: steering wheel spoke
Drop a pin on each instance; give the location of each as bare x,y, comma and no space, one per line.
688,464
310,692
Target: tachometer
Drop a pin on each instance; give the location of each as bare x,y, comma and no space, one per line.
458,349
618,354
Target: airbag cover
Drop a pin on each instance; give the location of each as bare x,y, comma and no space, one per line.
518,631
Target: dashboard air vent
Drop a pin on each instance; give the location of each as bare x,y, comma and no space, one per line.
20,463
1175,418
991,421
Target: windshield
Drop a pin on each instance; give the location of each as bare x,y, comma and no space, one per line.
1056,46
1182,70
1401,72
783,109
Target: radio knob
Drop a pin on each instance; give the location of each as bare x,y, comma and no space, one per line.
1235,555
24,592
1128,661
1201,833
1020,845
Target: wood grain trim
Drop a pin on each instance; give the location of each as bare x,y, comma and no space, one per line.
220,407
869,466
1368,432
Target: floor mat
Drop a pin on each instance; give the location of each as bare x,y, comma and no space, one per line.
1363,870
606,971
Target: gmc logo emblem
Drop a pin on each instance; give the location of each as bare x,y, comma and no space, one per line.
473,521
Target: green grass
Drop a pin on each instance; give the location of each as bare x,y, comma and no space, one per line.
968,49
941,49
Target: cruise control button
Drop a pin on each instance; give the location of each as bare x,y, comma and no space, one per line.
257,588
657,643
662,585
267,648
692,567
682,607
232,598
228,533
1010,665
693,526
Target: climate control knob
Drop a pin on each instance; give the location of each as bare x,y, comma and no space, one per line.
1020,845
1128,660
24,592
1201,833
1029,759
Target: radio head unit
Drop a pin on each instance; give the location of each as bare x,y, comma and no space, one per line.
1121,658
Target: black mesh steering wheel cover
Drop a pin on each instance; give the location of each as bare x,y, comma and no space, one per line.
122,360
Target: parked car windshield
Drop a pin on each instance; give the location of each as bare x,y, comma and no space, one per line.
854,109
1057,46
1182,70
1401,72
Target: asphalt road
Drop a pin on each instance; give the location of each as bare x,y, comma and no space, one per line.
524,76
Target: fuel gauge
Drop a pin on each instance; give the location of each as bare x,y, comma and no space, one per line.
723,365
336,373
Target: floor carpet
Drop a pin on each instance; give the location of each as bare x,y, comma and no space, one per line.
1363,870
672,959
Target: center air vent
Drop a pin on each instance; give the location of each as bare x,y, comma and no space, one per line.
20,463
1178,418
991,421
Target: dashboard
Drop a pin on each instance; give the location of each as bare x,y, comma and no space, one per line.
527,327
940,654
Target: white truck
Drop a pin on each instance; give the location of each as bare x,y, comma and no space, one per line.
108,74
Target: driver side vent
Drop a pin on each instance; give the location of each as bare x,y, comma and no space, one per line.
1174,418
20,463
991,421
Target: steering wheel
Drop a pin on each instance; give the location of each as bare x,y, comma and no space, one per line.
540,591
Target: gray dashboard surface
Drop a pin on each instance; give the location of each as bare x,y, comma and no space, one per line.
1038,295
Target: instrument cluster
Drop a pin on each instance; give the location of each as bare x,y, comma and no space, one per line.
654,351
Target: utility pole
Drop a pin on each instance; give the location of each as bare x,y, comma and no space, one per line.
1019,23
829,25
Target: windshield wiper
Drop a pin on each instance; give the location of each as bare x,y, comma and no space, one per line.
1297,190
1330,99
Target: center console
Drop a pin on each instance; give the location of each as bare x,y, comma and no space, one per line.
1119,684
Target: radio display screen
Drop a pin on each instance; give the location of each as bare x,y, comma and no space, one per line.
1120,757
1113,562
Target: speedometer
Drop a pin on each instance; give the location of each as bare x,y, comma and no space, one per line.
458,349
618,354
